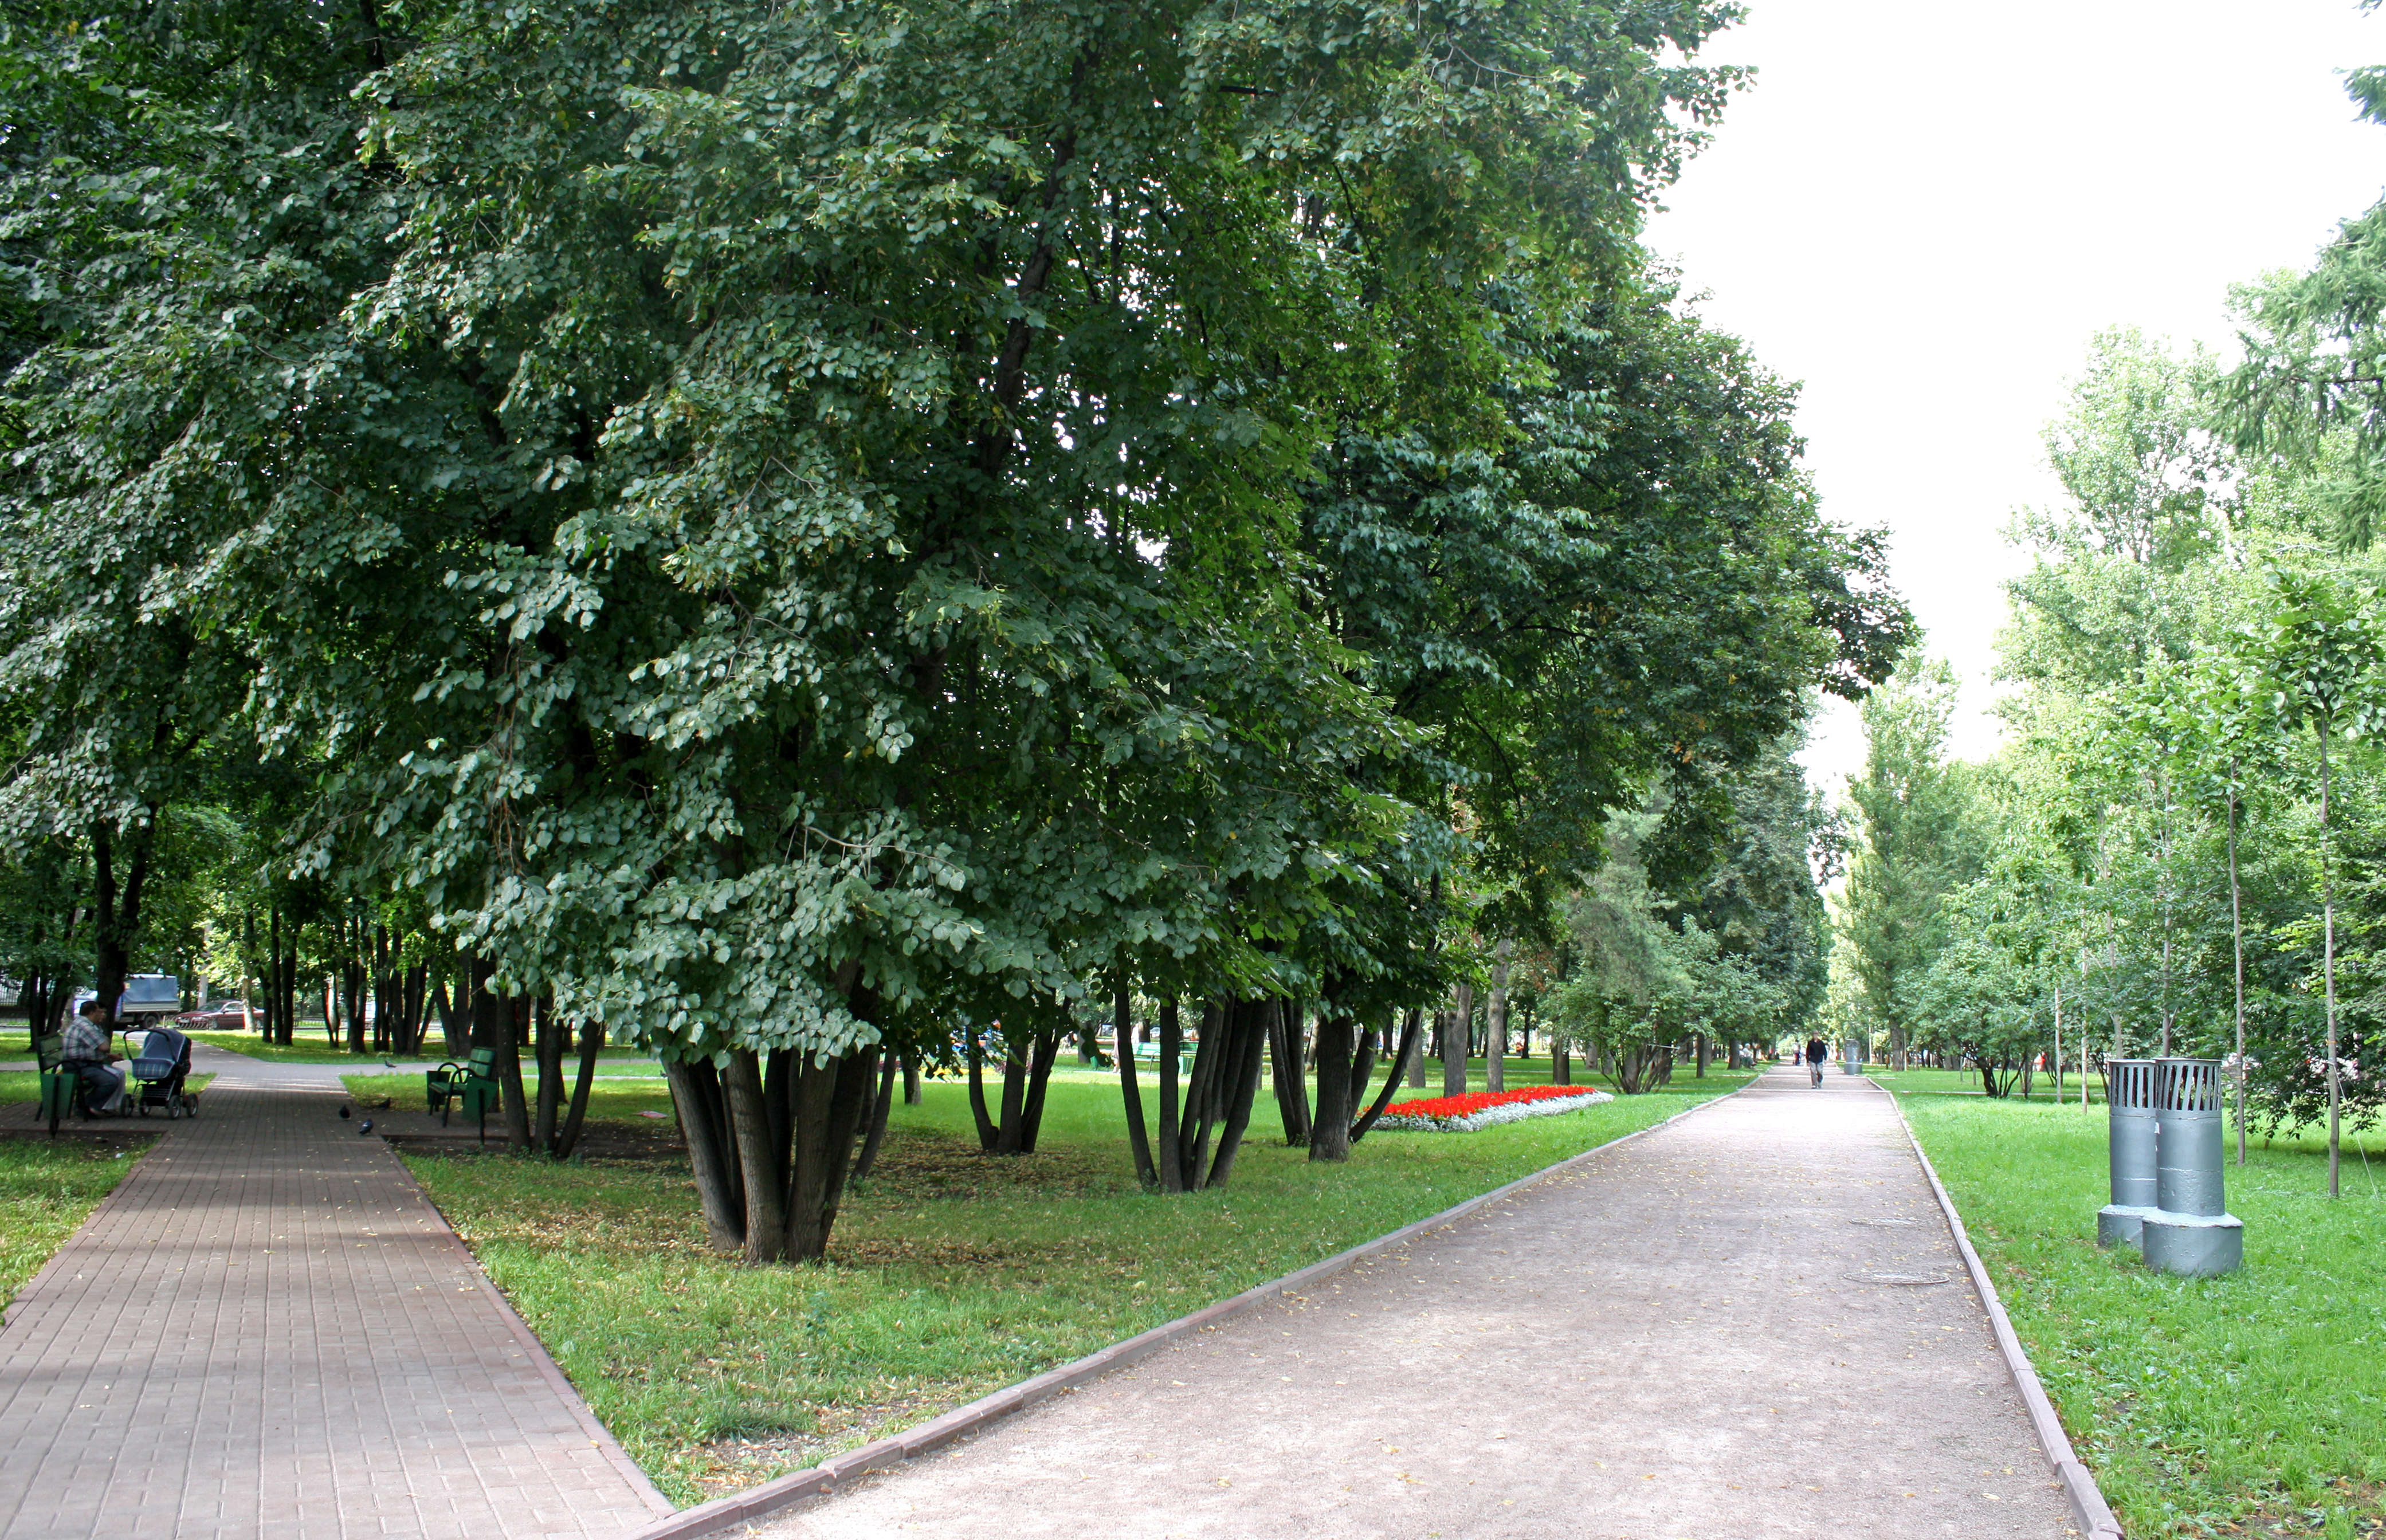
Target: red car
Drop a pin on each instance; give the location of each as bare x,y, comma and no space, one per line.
223,1015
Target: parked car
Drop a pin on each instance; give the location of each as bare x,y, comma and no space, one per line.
223,1015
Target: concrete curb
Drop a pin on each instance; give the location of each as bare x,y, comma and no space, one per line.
784,1492
2093,1515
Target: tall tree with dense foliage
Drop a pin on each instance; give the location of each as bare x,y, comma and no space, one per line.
786,527
1913,847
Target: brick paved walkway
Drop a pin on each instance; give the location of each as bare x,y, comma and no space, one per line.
266,1331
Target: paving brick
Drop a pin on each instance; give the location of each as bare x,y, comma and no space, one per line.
268,1330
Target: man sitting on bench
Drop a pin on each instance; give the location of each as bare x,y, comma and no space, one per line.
89,1052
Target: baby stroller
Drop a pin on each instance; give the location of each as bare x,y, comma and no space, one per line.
158,1074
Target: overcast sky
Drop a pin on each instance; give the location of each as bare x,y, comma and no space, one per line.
1923,212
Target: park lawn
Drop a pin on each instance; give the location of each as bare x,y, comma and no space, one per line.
1966,1082
25,1085
46,1189
611,1098
949,1275
314,1049
2248,1405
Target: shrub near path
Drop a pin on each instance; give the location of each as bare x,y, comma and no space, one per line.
951,1274
2253,1405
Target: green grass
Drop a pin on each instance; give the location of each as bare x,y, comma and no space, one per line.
24,1085
2251,1403
611,1098
312,1049
46,1191
1966,1082
951,1274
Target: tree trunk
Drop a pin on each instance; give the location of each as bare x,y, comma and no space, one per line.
830,1101
353,974
117,918
1250,1026
455,1022
758,1157
1339,1066
549,1035
1410,1051
912,1097
512,1028
592,1038
1172,1045
711,1149
413,1016
1138,1138
1456,1039
1705,1048
1495,1022
1285,1054
2328,959
988,1134
1039,1078
880,1109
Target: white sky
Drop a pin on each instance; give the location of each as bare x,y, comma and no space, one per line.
1924,211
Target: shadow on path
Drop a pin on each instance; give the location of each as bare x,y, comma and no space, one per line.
267,1330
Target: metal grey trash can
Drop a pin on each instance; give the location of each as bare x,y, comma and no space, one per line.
2129,1107
1851,1057
2191,1232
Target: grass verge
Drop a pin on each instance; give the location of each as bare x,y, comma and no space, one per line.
951,1274
47,1189
2252,1404
1966,1082
25,1085
312,1048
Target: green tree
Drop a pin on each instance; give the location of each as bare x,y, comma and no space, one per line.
2322,655
1913,845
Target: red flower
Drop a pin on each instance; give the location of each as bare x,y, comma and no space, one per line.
1475,1101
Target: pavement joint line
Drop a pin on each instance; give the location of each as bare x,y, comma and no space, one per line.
782,1493
2079,1488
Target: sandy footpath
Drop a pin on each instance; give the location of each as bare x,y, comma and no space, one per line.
1694,1338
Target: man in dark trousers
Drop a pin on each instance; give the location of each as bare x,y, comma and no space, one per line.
1816,1053
88,1052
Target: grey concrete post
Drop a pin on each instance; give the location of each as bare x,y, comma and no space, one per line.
2129,1103
2191,1232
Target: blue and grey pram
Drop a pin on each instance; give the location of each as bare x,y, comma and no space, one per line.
159,1073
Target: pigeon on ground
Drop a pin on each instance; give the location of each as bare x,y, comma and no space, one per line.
344,1109
389,1064
366,1128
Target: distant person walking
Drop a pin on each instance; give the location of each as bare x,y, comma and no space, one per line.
1817,1051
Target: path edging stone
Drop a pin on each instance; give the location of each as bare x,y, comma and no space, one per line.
784,1492
2079,1489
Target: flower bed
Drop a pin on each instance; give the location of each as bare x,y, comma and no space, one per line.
1482,1108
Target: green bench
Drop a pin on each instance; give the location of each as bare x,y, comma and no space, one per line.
472,1083
62,1089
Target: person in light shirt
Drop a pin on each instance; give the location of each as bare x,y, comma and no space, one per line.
90,1051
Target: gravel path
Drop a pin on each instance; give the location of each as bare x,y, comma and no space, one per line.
267,1333
1691,1336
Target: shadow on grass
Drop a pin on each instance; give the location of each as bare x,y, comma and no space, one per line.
950,1275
